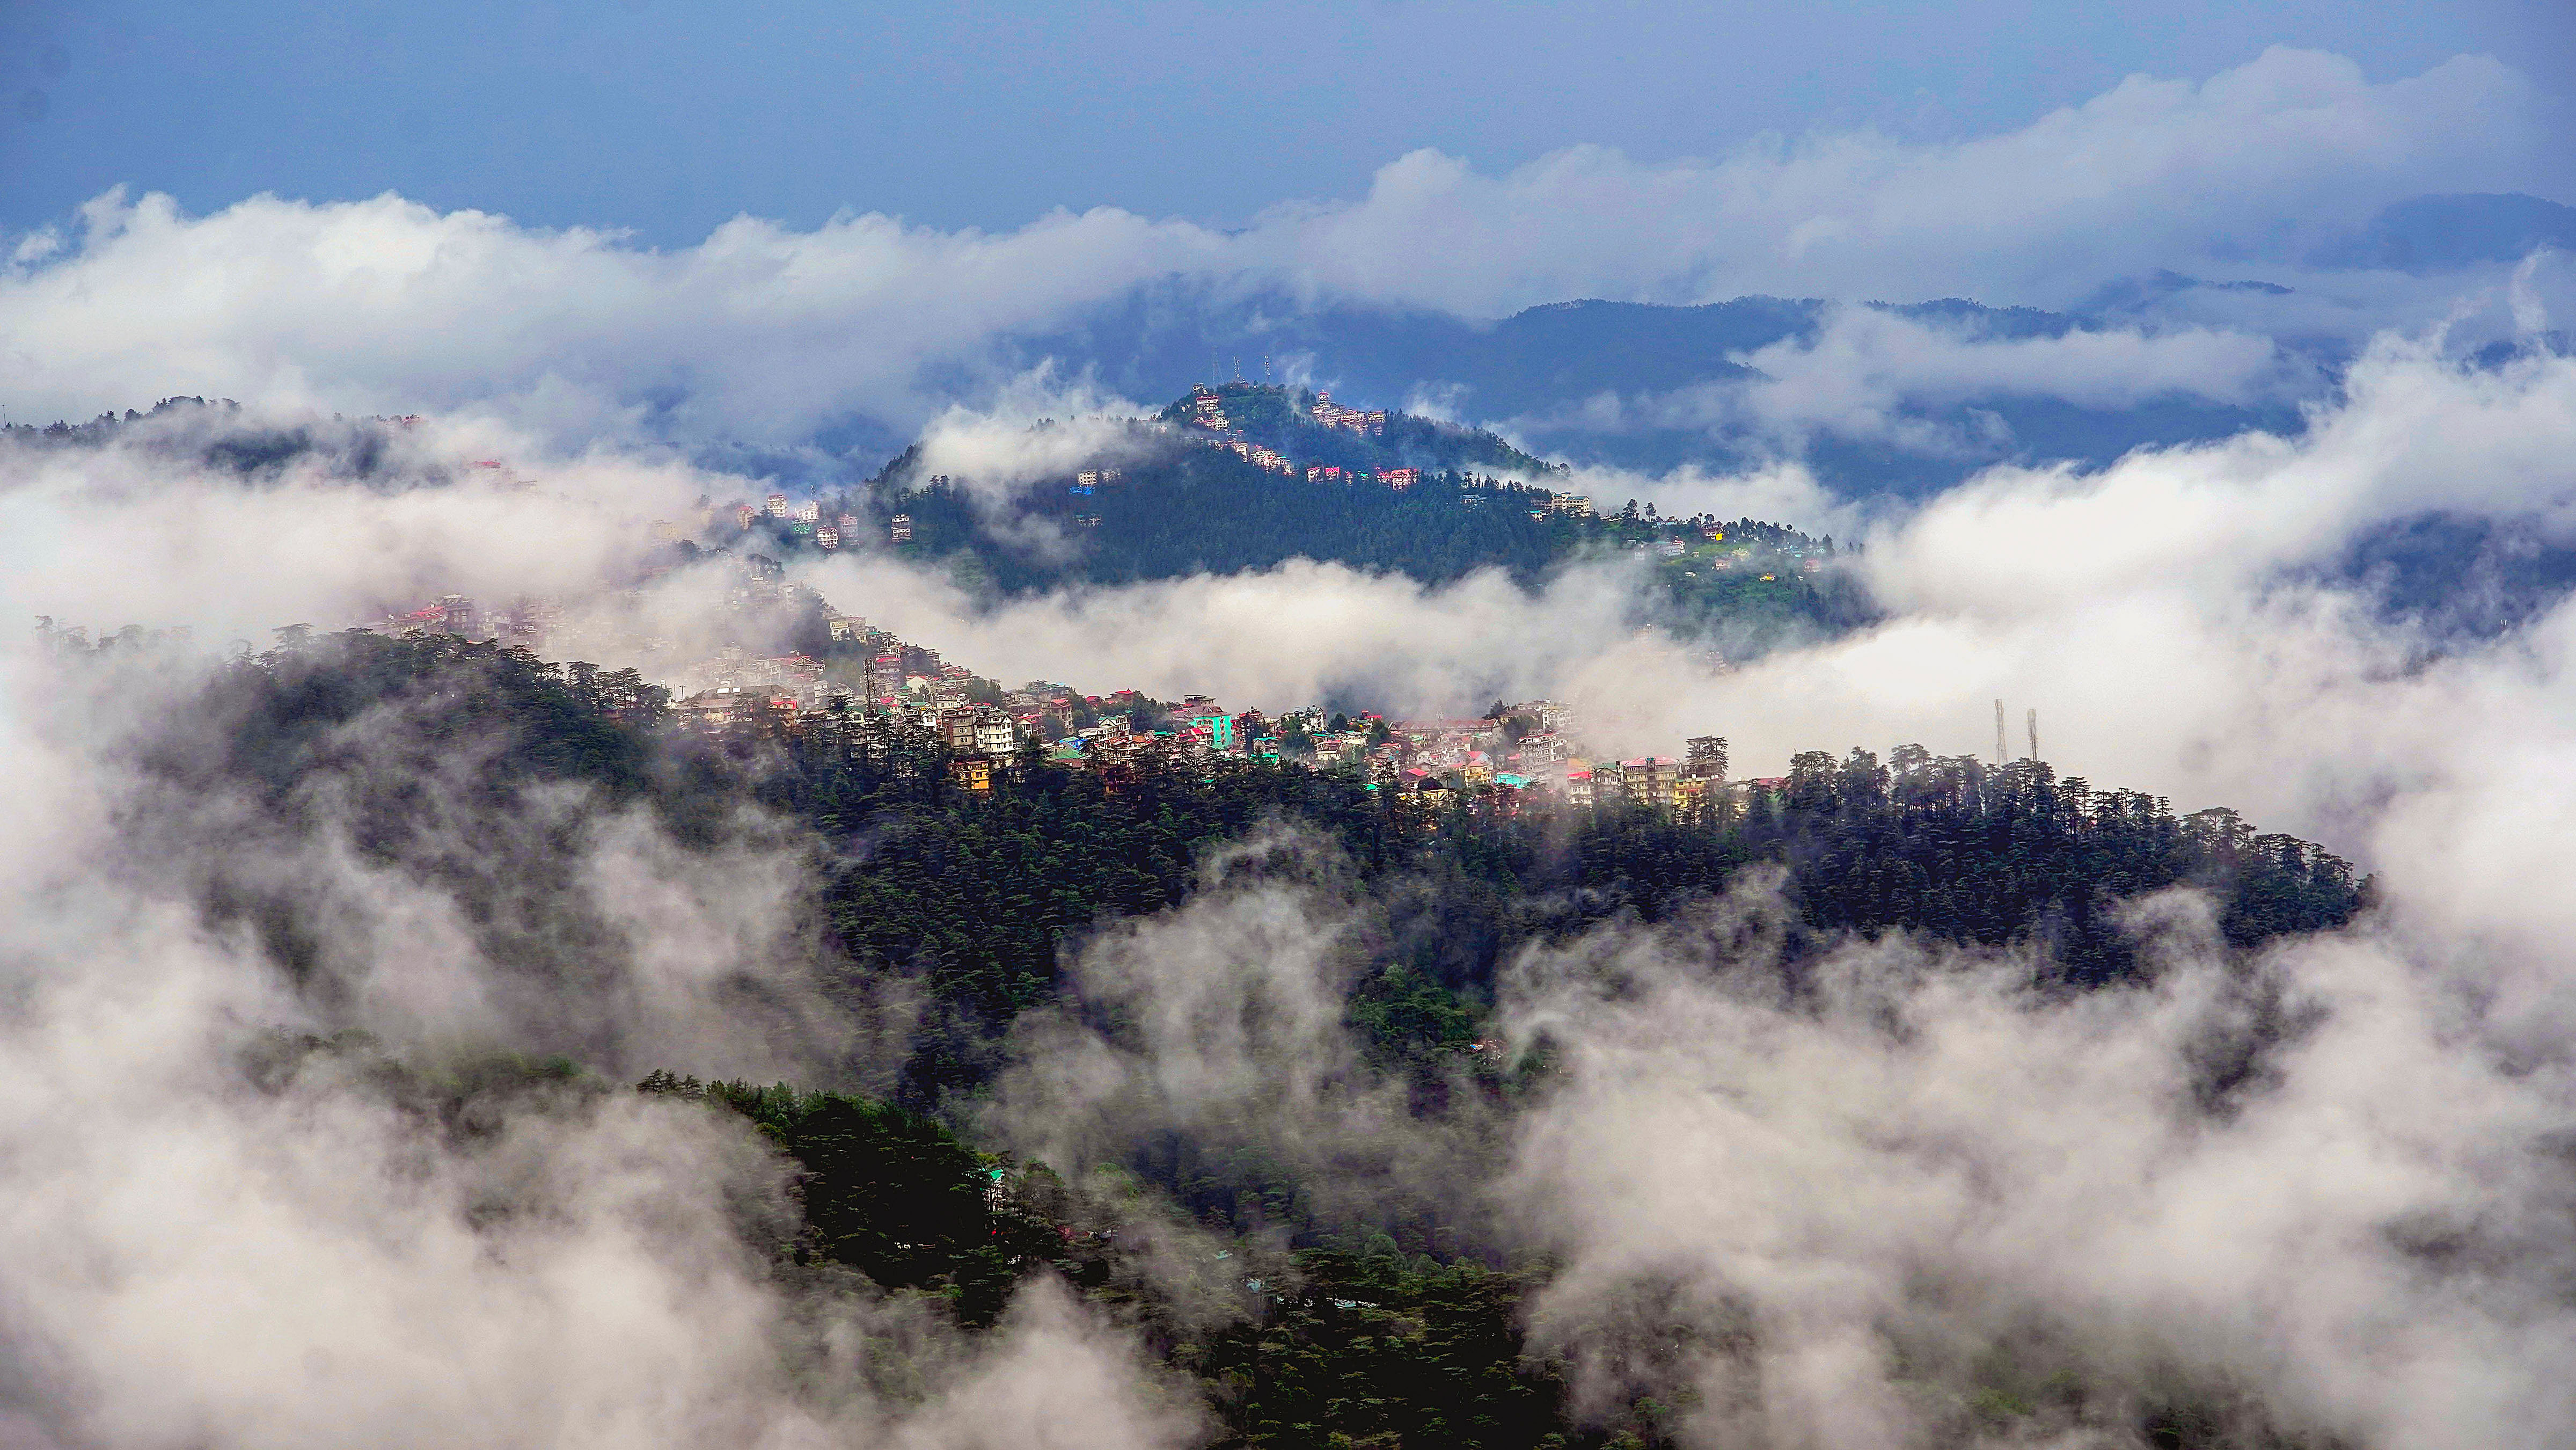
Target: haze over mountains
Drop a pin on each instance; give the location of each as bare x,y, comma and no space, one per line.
1895,788
1654,387
832,347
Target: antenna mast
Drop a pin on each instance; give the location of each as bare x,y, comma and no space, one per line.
2033,720
1999,732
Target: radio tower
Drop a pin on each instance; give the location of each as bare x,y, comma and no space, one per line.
2033,721
1999,732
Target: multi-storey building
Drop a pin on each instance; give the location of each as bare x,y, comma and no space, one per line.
996,733
979,730
1650,780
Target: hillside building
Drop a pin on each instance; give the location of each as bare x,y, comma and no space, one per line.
1329,414
1650,780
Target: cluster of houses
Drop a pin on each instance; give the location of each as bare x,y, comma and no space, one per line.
1526,753
1207,410
1398,479
1330,414
1268,459
1529,750
870,679
803,518
534,623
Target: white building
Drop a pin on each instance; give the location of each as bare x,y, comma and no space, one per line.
996,736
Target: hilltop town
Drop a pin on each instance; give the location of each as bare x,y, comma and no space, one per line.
861,682
1244,476
788,661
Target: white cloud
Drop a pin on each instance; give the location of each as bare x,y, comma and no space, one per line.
1843,1188
1277,638
765,333
2152,173
1865,365
386,306
570,1267
149,533
1861,1202
1921,1154
1780,492
1872,375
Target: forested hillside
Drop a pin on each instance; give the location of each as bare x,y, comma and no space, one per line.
1169,501
1548,372
1389,1320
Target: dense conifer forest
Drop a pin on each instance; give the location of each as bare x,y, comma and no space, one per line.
1396,1321
1166,500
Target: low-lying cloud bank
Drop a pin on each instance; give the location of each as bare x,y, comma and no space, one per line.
770,335
2325,1192
254,1193
2179,618
2319,1200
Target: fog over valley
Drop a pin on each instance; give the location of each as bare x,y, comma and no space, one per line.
1879,787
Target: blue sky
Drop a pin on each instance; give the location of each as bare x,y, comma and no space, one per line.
666,118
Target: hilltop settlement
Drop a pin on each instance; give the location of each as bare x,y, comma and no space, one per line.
853,681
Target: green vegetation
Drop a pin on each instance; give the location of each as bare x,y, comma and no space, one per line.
1177,505
1199,509
979,894
1399,1324
1283,418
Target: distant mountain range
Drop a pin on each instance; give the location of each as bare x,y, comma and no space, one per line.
1241,476
1543,375
1537,373
2431,234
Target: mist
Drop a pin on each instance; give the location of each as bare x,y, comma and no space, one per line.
868,327
1863,1192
